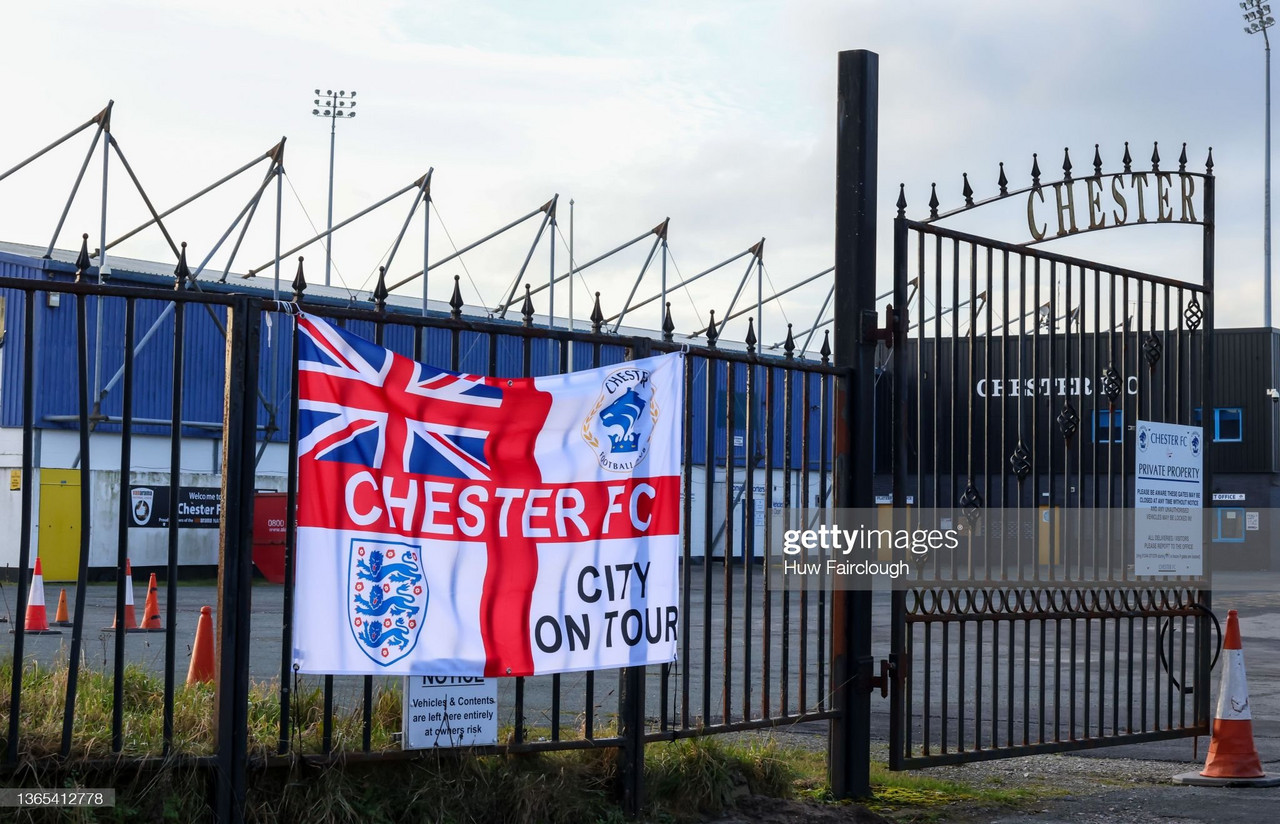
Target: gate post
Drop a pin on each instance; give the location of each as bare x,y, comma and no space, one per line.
857,120
1208,400
235,569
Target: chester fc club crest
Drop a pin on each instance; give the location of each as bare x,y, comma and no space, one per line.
620,425
143,503
386,598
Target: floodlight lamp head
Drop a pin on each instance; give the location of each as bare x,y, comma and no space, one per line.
316,112
1241,6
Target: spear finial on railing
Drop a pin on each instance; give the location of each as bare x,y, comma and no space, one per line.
380,291
597,317
713,334
1208,164
825,351
933,200
526,309
1182,158
299,283
82,260
967,191
455,300
668,325
182,272
1035,170
1097,161
1155,156
902,200
1002,181
751,336
789,345
1128,159
1066,164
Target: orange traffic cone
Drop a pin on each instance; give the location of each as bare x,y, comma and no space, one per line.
201,669
1233,757
151,609
130,618
37,617
62,618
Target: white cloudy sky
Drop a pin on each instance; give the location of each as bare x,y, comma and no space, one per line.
720,115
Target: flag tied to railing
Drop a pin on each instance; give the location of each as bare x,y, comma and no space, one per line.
450,524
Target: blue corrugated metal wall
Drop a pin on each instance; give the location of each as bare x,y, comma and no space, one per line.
57,394
15,326
56,367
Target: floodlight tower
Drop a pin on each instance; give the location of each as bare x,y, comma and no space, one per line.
1257,18
339,105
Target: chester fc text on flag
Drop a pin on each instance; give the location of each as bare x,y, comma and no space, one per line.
450,524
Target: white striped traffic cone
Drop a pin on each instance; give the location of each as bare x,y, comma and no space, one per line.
37,622
1233,757
130,618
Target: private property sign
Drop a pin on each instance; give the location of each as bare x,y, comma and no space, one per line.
1168,500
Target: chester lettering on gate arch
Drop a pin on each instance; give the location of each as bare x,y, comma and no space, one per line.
1074,205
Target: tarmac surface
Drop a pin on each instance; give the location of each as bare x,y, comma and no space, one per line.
1167,805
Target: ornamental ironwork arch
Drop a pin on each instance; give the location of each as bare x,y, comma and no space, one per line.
1101,200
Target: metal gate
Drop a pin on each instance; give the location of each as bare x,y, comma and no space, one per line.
1018,378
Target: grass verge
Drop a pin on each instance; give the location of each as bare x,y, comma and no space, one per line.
44,699
685,780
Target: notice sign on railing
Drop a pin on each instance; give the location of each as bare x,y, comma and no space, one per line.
450,711
1168,500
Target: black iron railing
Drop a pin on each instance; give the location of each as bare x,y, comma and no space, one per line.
758,435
